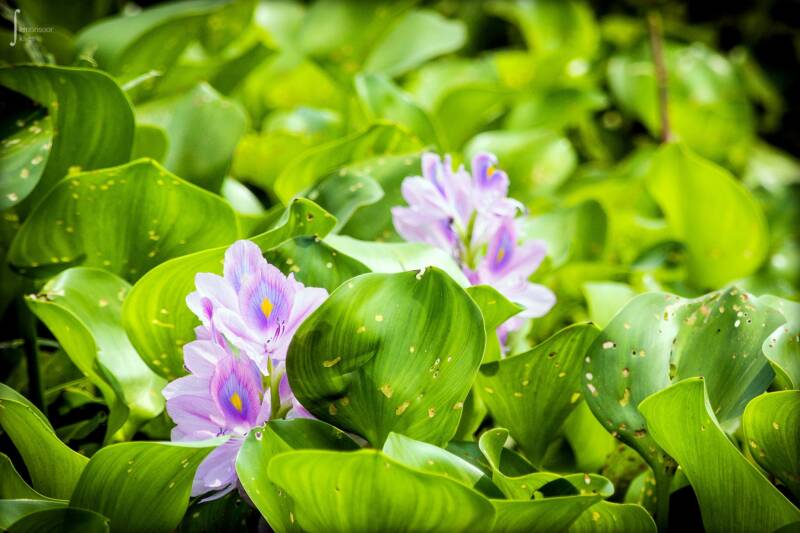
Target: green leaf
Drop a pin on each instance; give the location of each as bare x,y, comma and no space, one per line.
149,141
590,442
733,494
65,520
314,164
82,308
276,437
533,393
537,160
229,514
392,258
605,298
91,114
141,486
659,338
782,347
315,263
13,510
771,425
152,39
351,365
201,121
155,315
12,486
719,220
415,38
125,219
385,100
429,458
614,518
342,194
495,309
368,491
27,139
53,467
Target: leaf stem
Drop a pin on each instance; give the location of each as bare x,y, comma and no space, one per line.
27,325
654,26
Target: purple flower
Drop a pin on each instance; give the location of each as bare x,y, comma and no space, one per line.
254,306
471,217
248,317
222,395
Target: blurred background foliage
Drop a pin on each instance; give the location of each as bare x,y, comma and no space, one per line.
258,102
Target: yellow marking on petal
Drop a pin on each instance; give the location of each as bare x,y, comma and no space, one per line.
236,401
491,170
266,307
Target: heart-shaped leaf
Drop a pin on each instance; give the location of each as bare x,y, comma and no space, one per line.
368,491
12,486
495,309
532,394
125,219
276,437
141,486
614,518
155,314
27,140
14,510
351,365
90,113
82,308
53,467
771,425
732,493
782,347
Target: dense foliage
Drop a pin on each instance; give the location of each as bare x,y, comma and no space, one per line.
514,265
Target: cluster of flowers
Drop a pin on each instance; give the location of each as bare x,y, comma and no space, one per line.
248,317
471,217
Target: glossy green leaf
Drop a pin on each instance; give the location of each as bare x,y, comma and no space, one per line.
590,442
659,338
392,258
199,122
315,263
532,394
13,510
67,520
311,166
276,437
368,491
605,298
155,315
614,518
782,347
722,225
53,467
23,154
125,219
82,308
384,100
771,425
90,113
351,365
733,494
149,141
141,486
12,486
416,37
342,194
495,309
152,39
429,458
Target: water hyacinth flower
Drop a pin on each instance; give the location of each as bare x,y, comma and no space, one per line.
248,317
470,216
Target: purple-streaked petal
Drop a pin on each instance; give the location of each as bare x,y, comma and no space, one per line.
194,413
265,301
200,357
242,259
236,389
501,249
422,194
537,300
217,472
487,178
306,301
190,385
417,226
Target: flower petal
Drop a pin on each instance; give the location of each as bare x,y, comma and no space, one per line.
242,259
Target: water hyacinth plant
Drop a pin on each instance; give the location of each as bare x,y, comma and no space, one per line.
344,266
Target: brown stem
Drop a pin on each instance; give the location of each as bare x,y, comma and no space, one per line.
657,49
